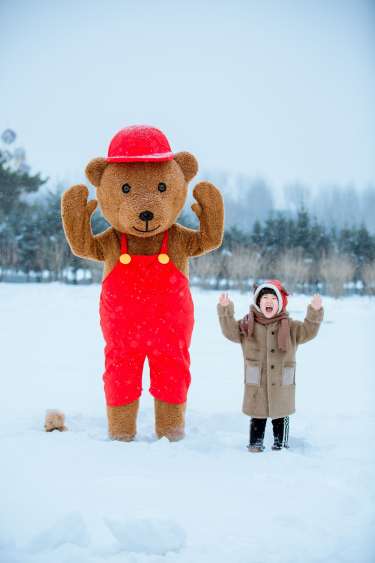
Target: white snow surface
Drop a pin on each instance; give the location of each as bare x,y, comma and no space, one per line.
77,497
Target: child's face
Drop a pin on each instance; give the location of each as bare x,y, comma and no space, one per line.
269,305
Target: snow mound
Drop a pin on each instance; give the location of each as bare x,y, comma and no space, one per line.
151,536
70,529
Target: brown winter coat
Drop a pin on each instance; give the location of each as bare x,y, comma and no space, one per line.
269,373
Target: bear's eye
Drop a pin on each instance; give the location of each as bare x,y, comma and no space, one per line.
126,188
162,187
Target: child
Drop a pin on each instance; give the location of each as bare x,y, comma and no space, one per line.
269,340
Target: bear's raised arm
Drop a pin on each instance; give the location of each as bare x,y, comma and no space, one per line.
76,216
210,212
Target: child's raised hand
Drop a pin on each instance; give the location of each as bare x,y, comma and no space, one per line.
316,302
224,299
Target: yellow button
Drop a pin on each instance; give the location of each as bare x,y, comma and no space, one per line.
163,258
125,258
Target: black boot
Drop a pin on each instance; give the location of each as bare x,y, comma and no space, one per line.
280,428
257,429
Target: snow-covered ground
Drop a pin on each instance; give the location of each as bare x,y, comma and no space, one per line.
76,497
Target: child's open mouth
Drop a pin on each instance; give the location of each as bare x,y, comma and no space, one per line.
269,309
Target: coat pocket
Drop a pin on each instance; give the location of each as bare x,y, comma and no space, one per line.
289,374
252,372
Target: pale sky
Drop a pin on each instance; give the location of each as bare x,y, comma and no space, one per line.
280,89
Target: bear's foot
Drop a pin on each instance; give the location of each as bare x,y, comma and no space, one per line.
170,420
122,421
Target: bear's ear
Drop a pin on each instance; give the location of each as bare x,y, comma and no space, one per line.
94,170
188,164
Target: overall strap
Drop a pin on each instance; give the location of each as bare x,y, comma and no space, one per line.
163,256
124,243
164,244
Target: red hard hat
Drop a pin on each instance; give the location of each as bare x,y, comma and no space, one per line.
139,143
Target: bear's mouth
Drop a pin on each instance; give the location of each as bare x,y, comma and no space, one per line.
146,230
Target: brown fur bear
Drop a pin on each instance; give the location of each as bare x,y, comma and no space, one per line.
146,307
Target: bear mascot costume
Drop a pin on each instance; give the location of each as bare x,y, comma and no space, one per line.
146,309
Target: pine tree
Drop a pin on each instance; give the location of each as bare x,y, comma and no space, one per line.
29,257
257,234
13,185
235,238
15,177
362,249
270,239
281,228
320,242
15,182
302,231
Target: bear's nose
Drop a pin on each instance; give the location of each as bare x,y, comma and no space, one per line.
146,215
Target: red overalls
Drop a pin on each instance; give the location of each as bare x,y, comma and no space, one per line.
146,309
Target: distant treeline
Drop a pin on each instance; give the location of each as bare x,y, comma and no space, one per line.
300,251
295,247
250,199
